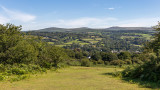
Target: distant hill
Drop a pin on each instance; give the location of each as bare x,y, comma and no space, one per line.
86,29
129,28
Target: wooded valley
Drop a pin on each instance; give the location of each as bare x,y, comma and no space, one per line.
26,53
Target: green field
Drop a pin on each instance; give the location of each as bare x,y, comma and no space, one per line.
88,39
60,45
50,42
76,41
92,40
98,39
124,37
147,36
138,45
73,78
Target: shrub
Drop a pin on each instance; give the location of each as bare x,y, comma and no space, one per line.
18,78
117,62
148,72
128,61
46,65
2,68
74,63
106,62
18,71
100,62
94,62
85,62
117,74
138,61
2,77
22,69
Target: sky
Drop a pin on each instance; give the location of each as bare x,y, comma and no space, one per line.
38,14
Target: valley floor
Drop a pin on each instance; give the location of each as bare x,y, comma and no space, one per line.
73,78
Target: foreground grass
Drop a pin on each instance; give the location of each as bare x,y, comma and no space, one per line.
73,78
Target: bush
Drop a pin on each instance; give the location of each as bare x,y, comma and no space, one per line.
94,62
117,74
85,62
74,63
18,78
148,72
100,62
106,63
18,71
2,68
138,61
128,61
117,62
46,65
2,77
22,69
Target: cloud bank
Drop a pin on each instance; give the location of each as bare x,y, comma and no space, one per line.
28,21
94,23
85,22
9,16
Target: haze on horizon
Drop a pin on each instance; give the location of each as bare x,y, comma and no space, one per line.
38,14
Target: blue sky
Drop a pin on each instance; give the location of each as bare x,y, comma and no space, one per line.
37,14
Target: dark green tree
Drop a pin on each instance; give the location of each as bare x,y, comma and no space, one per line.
109,56
124,55
96,56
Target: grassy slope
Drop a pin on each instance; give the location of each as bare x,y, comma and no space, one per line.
73,78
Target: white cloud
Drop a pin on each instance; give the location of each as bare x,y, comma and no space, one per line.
106,22
36,26
93,23
110,8
139,22
84,22
4,20
72,23
18,16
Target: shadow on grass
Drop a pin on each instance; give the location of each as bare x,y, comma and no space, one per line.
108,74
146,84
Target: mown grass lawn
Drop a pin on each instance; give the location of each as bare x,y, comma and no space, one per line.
72,78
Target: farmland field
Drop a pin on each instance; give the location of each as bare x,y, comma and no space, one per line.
121,40
73,78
